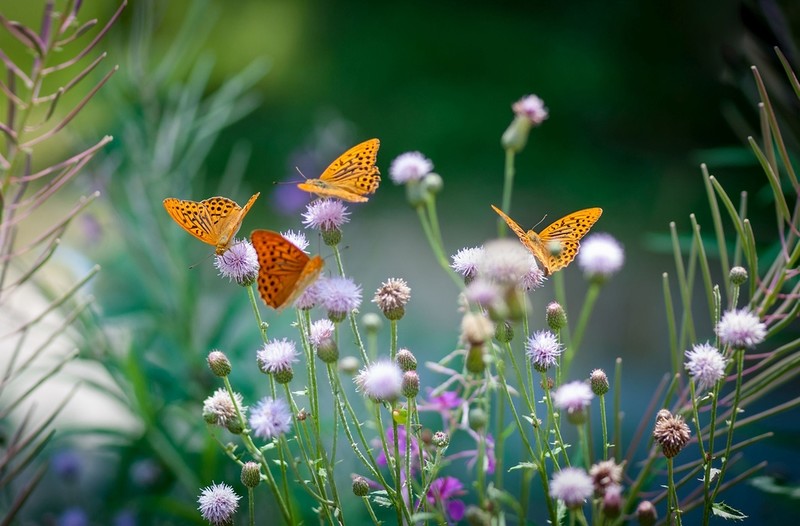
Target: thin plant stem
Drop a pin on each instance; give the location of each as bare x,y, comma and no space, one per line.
508,186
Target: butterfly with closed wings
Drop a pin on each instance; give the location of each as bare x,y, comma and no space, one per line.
567,232
350,177
214,220
285,271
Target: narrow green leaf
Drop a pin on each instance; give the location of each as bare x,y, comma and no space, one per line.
720,509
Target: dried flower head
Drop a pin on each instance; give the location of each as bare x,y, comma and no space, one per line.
218,409
409,166
380,381
270,417
740,329
543,350
672,433
601,256
574,398
604,474
218,504
571,485
239,263
465,262
705,365
392,297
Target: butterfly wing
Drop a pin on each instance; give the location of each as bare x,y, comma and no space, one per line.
530,239
227,217
350,177
568,231
285,270
193,217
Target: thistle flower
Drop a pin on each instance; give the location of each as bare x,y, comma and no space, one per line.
706,365
409,166
465,262
276,358
239,263
534,278
392,297
442,493
270,417
605,474
218,504
532,108
485,293
440,439
740,329
529,111
298,239
476,328
600,256
504,261
571,485
574,398
339,296
309,298
325,214
218,409
410,386
380,381
360,487
671,433
251,474
543,350
646,513
321,335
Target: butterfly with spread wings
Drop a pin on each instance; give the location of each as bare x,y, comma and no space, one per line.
350,177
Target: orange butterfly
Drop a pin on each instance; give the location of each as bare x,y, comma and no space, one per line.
285,270
214,220
567,231
351,176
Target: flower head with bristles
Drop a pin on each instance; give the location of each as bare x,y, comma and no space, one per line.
339,296
601,256
706,365
297,239
380,381
741,329
270,417
572,486
239,263
392,297
409,166
466,260
218,504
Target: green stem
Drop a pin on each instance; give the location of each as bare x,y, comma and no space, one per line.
508,185
251,506
604,425
438,251
586,311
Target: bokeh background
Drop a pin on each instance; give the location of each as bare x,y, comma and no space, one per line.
639,93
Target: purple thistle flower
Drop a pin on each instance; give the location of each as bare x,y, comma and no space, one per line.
740,329
600,256
571,485
239,263
338,295
532,108
309,298
574,398
466,260
409,166
270,417
504,261
380,381
543,350
145,472
218,409
74,516
534,278
706,365
325,214
485,293
321,332
441,495
218,504
298,239
277,356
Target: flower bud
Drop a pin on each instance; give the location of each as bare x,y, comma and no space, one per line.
360,487
410,387
234,426
432,183
477,418
556,316
599,382
406,360
672,433
349,365
331,237
504,332
646,513
371,322
475,363
251,474
440,439
283,376
219,364
738,275
328,351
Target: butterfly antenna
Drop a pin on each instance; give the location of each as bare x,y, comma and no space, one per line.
301,173
195,264
292,182
540,221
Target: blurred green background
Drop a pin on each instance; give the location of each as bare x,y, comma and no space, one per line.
639,93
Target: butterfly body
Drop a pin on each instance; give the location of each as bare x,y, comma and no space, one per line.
563,235
350,177
215,220
285,271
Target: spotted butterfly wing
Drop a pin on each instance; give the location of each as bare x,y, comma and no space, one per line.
350,177
567,231
285,271
215,220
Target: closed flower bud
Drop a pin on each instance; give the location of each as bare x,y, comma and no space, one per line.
331,237
219,364
440,439
432,183
477,418
504,332
646,513
328,352
612,501
738,275
410,387
234,426
599,382
251,474
360,487
406,360
371,322
556,316
475,363
283,376
349,365
416,193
